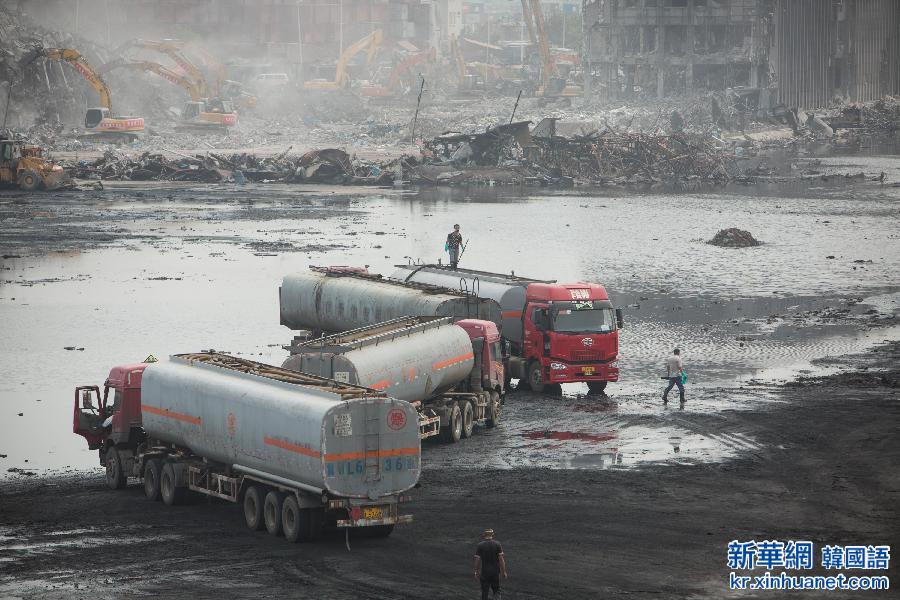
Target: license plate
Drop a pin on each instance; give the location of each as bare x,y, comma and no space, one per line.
587,370
375,512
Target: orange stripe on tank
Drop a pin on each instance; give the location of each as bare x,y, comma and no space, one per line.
453,361
374,453
511,314
380,385
291,447
164,412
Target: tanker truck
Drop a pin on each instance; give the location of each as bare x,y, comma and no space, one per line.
331,300
452,372
296,451
557,332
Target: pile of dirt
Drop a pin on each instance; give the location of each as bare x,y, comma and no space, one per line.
734,238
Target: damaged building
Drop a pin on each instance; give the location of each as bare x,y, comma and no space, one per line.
796,52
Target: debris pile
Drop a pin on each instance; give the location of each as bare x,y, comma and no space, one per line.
330,165
734,238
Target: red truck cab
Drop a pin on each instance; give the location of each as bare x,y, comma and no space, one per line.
112,416
570,334
492,352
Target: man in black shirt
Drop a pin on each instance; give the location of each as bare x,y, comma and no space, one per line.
454,241
489,564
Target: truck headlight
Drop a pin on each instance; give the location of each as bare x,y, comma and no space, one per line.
557,366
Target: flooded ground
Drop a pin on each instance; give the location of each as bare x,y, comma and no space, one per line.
98,278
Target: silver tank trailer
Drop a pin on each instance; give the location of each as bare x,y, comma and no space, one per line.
507,290
322,302
305,434
408,359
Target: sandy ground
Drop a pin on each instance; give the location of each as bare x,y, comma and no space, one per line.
825,471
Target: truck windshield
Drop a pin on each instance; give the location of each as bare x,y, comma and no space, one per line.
590,316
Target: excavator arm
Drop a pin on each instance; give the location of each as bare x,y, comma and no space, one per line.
80,64
408,63
168,74
173,51
369,43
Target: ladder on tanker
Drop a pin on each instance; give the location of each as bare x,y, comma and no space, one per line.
372,441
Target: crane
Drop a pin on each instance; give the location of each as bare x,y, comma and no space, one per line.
369,44
96,120
199,111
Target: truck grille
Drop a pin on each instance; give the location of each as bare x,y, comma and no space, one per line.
586,355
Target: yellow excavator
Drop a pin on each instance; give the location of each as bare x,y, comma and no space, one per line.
341,81
552,84
24,166
99,121
199,112
224,90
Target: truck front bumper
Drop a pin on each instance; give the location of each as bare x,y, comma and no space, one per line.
562,372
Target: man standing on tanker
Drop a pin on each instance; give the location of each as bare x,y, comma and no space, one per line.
489,564
454,241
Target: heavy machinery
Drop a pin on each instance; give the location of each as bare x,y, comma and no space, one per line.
395,85
99,122
329,300
296,451
552,83
172,49
369,44
452,372
198,112
223,90
558,332
24,166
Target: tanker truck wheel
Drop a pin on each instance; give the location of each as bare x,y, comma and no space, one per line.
253,508
453,431
29,181
272,511
151,479
536,377
493,416
296,523
596,387
115,474
172,494
468,419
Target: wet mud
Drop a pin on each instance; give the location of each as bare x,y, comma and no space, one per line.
822,468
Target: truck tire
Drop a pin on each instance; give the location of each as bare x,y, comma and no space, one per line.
172,494
453,431
115,472
253,508
296,522
494,409
152,472
272,512
596,387
29,181
536,377
468,419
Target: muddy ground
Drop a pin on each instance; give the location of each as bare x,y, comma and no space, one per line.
825,470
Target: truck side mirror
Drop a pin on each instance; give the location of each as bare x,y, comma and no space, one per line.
620,318
506,349
86,400
541,322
